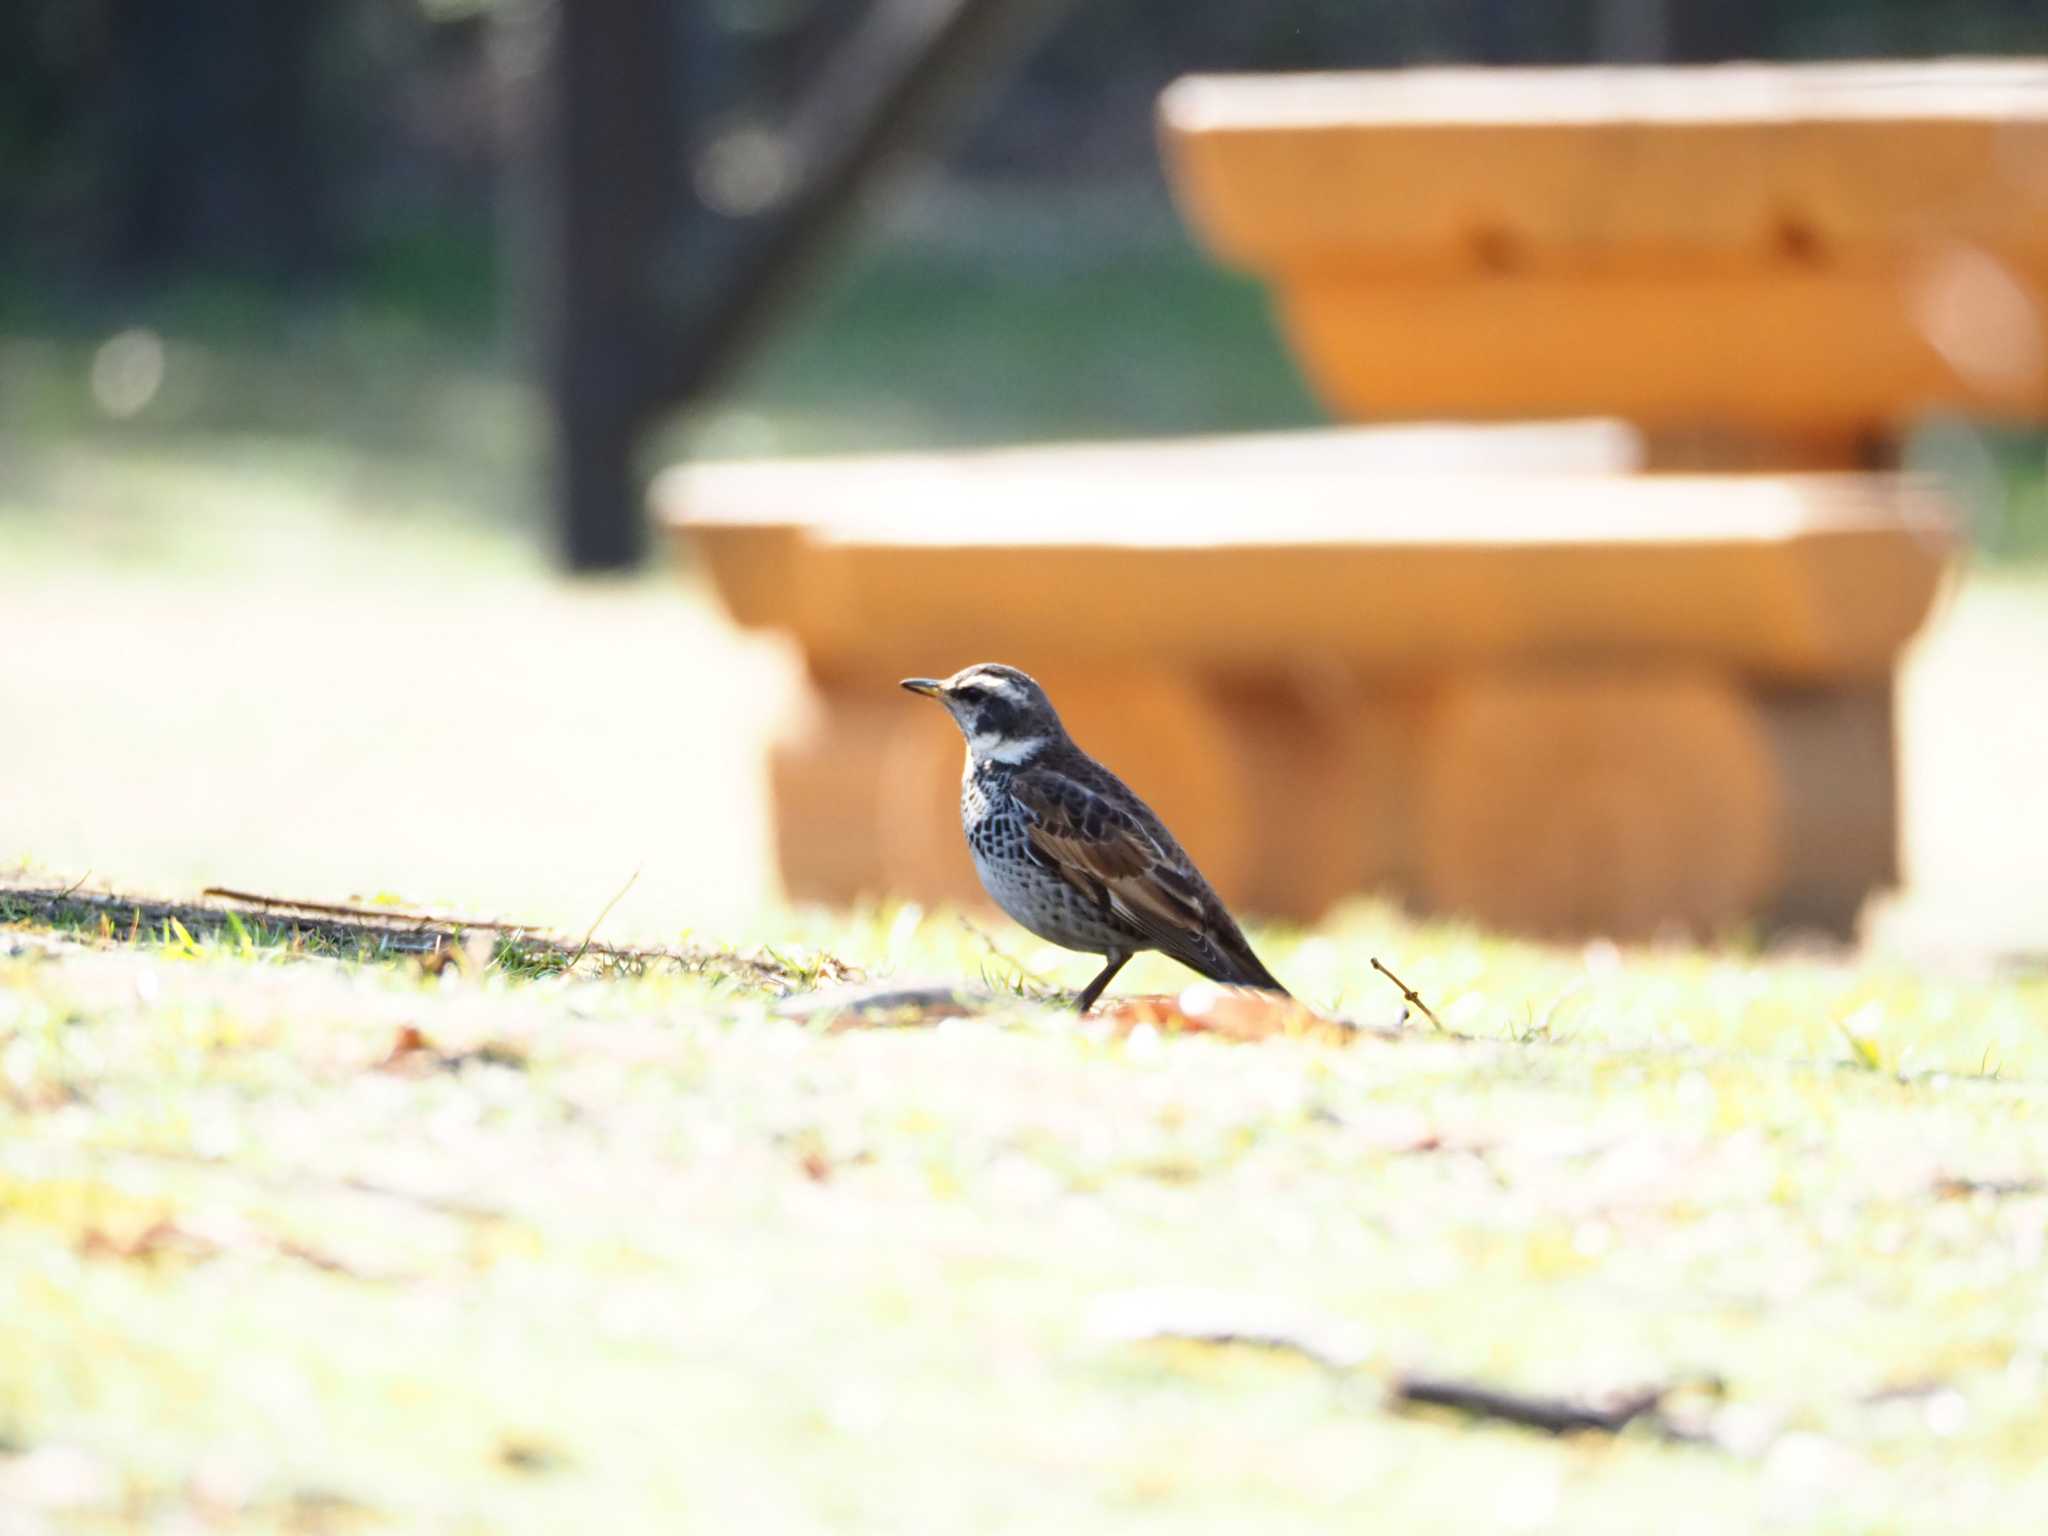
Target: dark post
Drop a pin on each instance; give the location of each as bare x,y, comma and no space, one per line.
611,152
665,263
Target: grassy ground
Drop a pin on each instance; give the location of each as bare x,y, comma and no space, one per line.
304,1241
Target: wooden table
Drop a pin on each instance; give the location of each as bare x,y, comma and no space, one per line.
1776,264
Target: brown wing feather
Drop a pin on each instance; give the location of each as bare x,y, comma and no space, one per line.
1110,857
1120,857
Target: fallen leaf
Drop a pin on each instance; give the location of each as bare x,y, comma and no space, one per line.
1230,1013
525,1453
412,1054
1961,1187
812,1157
468,953
160,1239
407,1046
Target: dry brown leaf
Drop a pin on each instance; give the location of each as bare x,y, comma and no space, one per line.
812,1157
162,1238
1231,1013
410,1052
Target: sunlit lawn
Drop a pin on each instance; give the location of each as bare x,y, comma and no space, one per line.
640,1254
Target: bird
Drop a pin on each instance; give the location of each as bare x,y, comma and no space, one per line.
1068,850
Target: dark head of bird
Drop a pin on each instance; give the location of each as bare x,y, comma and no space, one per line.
1002,712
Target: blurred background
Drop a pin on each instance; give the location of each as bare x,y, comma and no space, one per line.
279,525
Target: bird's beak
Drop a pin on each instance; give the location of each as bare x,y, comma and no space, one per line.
930,687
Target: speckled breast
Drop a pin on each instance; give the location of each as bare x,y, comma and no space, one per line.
1031,894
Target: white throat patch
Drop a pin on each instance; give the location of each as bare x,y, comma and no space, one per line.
988,747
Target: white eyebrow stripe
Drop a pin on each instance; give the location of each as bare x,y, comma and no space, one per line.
996,683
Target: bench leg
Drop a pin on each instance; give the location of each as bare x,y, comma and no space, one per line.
825,776
1330,769
1837,756
1581,802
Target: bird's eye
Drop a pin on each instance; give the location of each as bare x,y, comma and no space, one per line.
972,693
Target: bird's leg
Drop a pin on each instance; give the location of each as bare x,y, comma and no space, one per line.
1093,990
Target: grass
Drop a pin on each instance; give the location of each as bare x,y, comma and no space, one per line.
297,1240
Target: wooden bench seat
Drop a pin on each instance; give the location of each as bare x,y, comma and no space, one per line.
1556,697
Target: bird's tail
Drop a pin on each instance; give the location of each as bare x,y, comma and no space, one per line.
1256,975
1234,963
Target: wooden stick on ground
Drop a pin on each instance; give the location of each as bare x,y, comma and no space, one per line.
1408,994
371,914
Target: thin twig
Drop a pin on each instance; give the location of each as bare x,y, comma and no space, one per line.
72,889
591,931
1409,995
372,914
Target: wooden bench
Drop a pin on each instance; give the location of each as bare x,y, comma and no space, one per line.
1563,700
1501,670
